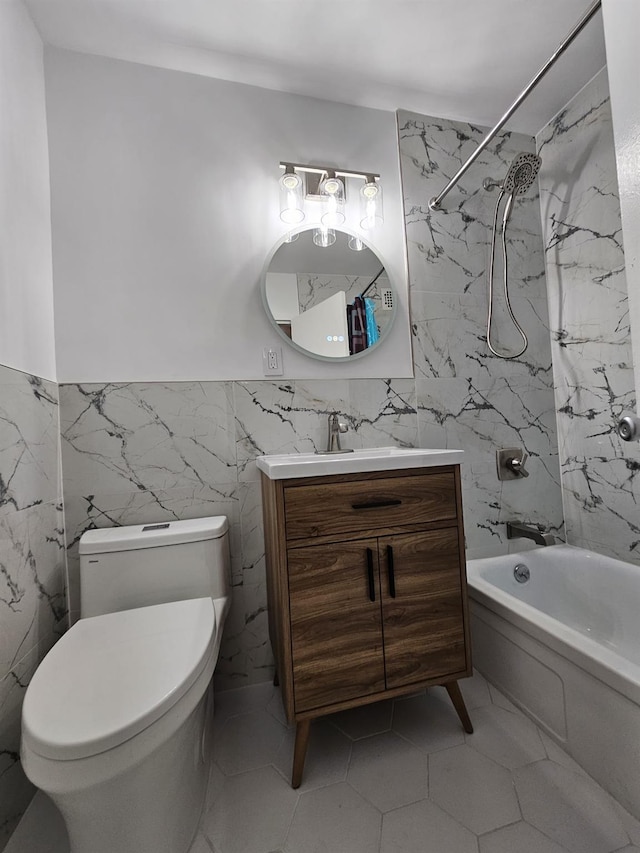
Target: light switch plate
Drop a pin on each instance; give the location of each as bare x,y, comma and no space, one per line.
272,361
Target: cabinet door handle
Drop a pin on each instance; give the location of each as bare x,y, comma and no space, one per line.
376,504
372,587
392,574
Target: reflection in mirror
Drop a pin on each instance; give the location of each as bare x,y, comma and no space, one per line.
331,302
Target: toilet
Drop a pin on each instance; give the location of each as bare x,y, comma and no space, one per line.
116,720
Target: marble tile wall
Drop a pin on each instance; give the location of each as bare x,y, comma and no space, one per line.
591,342
33,610
466,397
140,452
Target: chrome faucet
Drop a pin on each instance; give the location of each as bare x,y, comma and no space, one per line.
516,530
335,428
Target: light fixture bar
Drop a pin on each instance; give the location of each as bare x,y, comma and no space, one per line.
320,170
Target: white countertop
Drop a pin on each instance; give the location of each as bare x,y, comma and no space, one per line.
293,465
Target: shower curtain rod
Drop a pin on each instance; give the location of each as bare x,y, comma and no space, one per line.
436,201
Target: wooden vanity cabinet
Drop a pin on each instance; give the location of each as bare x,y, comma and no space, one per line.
366,590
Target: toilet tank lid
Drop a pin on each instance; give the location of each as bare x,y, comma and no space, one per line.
138,536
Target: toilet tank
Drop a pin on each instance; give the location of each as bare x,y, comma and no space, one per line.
126,567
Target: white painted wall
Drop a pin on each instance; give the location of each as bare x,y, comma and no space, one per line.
621,21
26,289
165,207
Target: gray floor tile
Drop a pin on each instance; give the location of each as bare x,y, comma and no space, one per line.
425,828
570,809
327,757
510,739
388,771
429,721
518,838
364,721
246,741
475,790
335,819
252,814
475,691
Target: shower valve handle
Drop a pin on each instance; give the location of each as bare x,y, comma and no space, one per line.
517,465
629,428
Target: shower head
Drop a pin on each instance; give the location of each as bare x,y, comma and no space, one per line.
522,173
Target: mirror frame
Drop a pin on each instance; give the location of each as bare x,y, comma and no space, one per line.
327,358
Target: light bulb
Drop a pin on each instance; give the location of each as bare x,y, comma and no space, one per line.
371,204
291,197
332,192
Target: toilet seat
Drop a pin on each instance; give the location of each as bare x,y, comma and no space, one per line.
112,676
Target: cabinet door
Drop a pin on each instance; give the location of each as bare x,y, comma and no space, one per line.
423,615
336,629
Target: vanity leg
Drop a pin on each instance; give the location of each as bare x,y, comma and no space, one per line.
458,703
300,751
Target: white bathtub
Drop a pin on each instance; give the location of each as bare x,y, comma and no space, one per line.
565,647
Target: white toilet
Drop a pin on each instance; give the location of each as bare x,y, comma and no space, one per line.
116,720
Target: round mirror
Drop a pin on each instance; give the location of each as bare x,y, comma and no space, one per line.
328,294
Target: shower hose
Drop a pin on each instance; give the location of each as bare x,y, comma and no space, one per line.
506,279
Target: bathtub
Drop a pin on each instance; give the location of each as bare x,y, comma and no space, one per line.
564,646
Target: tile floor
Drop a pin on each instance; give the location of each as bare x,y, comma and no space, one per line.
396,777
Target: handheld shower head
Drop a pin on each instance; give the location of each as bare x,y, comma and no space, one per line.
522,173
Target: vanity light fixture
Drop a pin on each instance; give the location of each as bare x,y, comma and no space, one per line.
327,185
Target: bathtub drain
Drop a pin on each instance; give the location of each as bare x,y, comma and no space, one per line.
521,573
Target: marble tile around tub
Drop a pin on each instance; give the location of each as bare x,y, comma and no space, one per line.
28,440
449,338
591,398
520,500
601,504
451,244
481,495
147,436
431,150
587,313
481,419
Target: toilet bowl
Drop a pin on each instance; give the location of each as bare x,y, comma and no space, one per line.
116,720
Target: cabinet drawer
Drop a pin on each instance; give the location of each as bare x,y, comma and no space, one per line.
360,505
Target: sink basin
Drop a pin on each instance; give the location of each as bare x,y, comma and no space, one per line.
288,465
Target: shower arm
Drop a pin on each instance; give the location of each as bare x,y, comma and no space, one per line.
436,201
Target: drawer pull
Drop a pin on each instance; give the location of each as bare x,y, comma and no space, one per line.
372,588
392,574
376,504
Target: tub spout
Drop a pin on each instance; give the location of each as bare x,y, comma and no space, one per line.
516,530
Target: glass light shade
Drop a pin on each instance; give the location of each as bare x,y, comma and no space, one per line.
291,237
355,244
324,237
371,205
333,197
291,198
